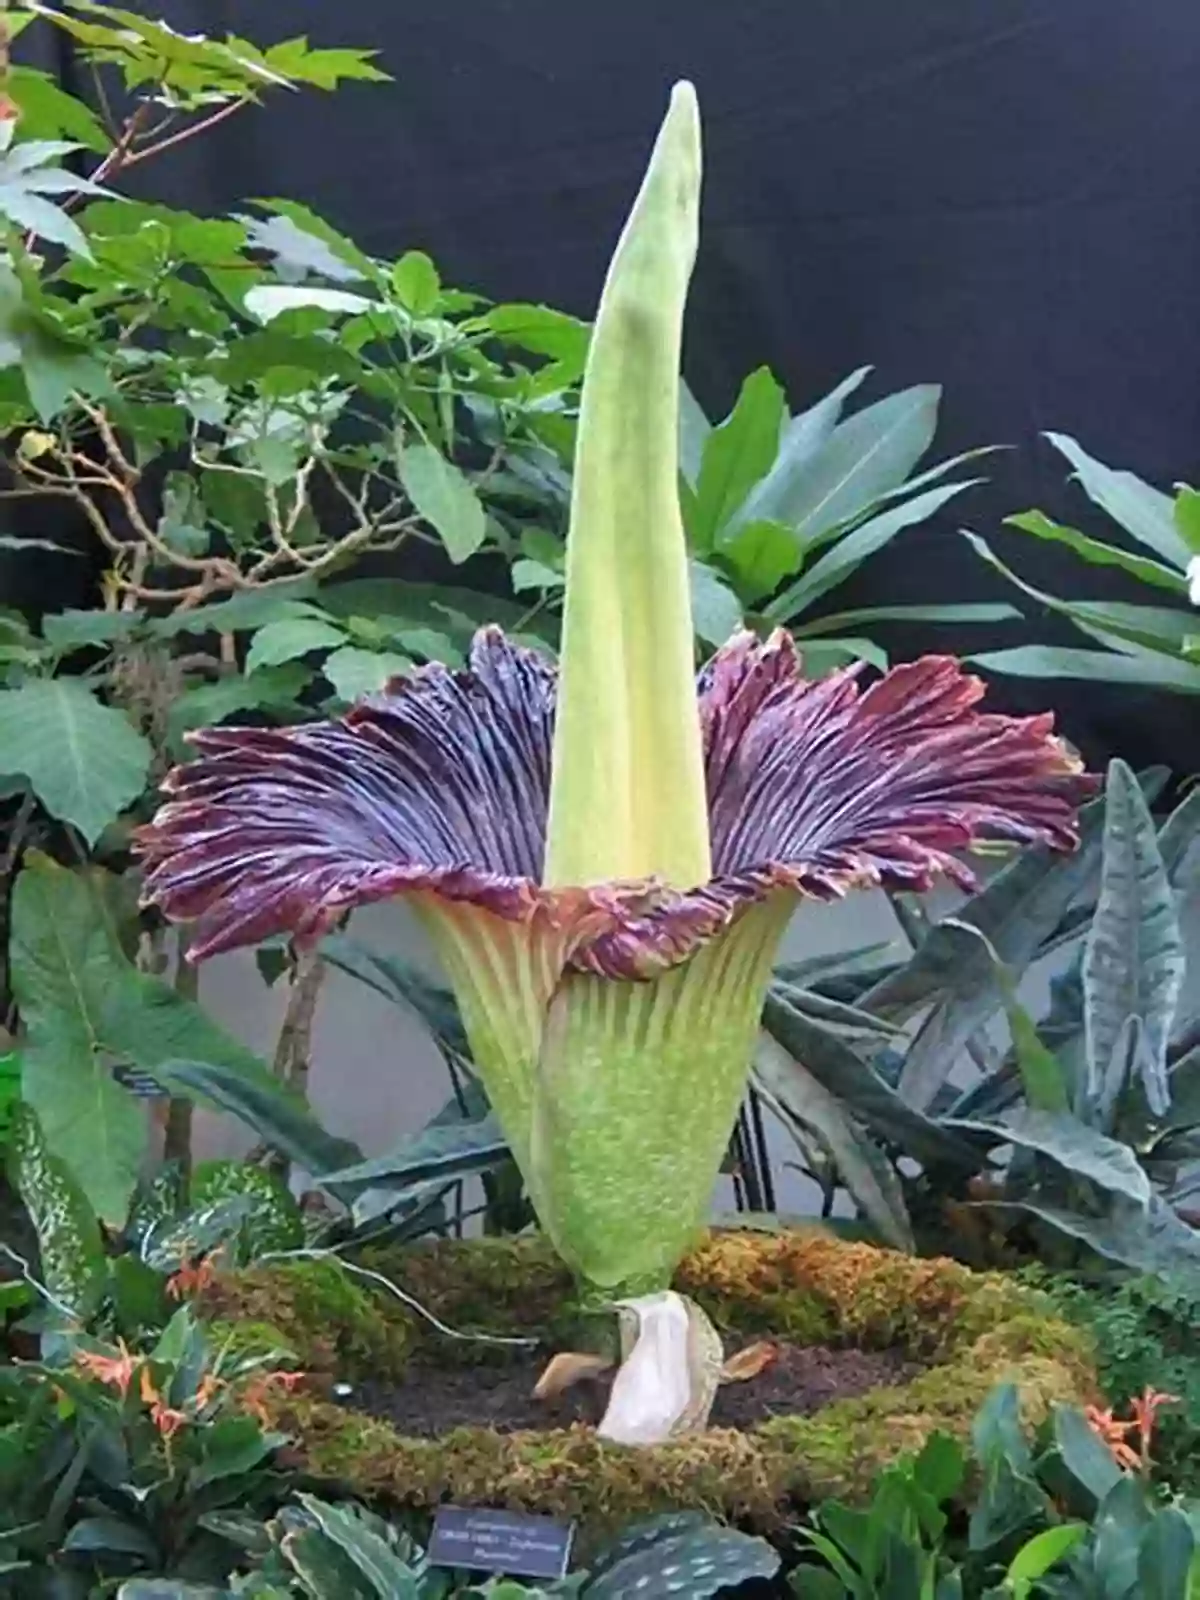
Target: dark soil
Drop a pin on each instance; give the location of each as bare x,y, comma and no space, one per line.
429,1401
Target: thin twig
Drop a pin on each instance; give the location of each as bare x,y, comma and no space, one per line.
405,1298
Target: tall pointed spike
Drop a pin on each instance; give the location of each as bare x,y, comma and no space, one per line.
627,795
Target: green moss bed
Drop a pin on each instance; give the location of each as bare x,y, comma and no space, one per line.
966,1331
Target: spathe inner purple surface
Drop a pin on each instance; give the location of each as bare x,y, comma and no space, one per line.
440,785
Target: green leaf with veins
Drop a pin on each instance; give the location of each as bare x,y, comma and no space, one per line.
290,638
84,760
49,112
272,689
444,497
354,672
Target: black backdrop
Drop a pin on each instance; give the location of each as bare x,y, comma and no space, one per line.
999,195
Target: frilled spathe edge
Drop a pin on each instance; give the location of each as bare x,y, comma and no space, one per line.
440,785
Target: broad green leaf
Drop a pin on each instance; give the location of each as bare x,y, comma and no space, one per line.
544,332
864,1170
954,972
1045,1550
736,455
421,605
70,630
762,555
1094,666
785,491
864,457
49,112
1134,960
443,495
526,574
416,283
254,608
1084,1454
274,689
351,1532
83,760
55,371
270,300
1165,1556
1099,554
716,610
86,1008
1146,513
290,638
853,548
354,673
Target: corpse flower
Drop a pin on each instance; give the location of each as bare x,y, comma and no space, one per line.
605,852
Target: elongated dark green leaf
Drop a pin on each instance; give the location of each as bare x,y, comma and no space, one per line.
782,495
862,967
1072,1145
1041,1074
1095,666
867,1175
1017,912
1134,959
1149,1239
864,457
849,1020
736,455
279,1117
838,1068
1146,513
982,612
853,548
443,1150
401,983
1099,554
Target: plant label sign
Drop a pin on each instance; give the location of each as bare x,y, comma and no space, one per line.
501,1541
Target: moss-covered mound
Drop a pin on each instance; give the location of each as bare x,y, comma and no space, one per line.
969,1330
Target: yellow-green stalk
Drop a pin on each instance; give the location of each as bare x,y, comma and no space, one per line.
627,787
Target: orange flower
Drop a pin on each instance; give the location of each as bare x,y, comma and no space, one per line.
1145,1412
207,1392
254,1395
165,1418
191,1280
116,1370
1115,1433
